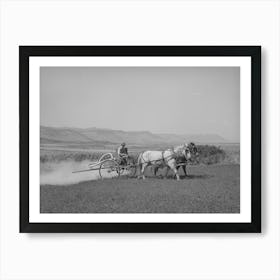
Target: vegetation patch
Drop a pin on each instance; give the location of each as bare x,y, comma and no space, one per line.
208,154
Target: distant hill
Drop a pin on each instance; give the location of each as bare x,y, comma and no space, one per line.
198,138
52,135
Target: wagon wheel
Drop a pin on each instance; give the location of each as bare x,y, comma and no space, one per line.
109,169
128,170
131,170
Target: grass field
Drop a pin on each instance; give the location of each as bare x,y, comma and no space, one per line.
207,189
208,154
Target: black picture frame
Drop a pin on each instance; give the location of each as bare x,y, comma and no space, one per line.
25,52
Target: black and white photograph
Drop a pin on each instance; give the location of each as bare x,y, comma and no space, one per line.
135,135
139,140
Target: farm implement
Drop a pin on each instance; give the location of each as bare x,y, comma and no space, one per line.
110,167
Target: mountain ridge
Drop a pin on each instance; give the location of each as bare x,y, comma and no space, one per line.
110,136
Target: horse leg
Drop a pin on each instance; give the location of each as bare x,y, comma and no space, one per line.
176,174
173,166
143,170
177,168
167,169
138,168
156,170
184,169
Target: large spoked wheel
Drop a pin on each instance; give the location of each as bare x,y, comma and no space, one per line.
109,169
131,170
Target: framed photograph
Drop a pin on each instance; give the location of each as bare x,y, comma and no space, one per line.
140,139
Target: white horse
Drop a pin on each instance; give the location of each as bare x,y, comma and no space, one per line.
167,157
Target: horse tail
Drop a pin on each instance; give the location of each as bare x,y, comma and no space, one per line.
139,165
139,160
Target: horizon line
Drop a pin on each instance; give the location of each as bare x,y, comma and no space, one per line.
156,133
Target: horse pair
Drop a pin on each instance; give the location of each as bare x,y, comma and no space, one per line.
167,158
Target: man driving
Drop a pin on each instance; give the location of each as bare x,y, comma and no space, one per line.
122,153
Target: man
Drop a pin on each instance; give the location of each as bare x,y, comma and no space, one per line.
122,154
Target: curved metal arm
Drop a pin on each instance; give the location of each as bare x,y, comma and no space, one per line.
110,156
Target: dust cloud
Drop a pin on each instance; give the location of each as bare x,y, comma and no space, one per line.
61,173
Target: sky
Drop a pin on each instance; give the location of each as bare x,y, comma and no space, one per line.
181,100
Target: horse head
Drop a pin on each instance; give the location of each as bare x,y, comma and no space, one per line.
186,152
193,149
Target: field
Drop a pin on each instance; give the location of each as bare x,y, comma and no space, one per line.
212,184
207,189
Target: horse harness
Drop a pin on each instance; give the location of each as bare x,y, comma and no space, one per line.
167,159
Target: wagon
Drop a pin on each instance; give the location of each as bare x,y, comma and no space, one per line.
110,167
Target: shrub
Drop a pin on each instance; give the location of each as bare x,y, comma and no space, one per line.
211,154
